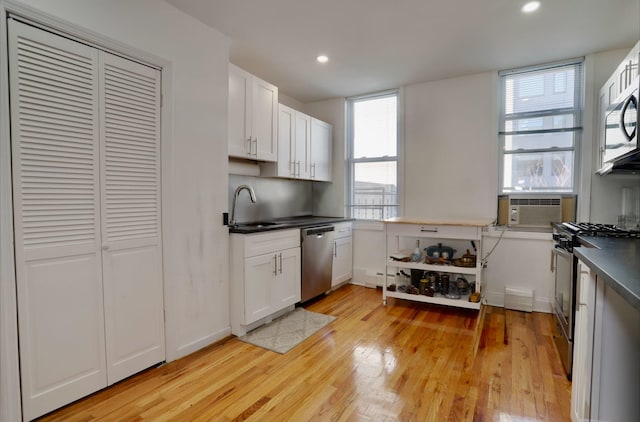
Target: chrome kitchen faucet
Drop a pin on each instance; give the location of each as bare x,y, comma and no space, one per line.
252,195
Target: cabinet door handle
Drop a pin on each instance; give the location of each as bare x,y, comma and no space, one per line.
552,267
298,173
280,258
422,229
249,144
275,264
335,248
313,170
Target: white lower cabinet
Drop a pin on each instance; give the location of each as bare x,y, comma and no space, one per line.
606,369
285,287
615,376
583,344
258,275
265,276
342,254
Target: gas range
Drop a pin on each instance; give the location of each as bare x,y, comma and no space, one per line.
566,234
598,230
565,263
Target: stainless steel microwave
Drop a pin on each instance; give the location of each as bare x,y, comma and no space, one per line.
621,126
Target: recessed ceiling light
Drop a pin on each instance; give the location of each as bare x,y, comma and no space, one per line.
322,58
531,6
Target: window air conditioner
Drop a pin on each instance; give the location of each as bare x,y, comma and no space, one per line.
533,211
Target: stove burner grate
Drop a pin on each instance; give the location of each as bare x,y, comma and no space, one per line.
599,230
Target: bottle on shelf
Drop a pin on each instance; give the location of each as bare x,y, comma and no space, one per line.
417,254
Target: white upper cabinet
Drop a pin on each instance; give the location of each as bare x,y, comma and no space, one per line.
320,159
253,116
304,147
294,139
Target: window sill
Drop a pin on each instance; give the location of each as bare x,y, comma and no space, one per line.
370,225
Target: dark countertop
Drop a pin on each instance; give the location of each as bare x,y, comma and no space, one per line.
616,261
286,223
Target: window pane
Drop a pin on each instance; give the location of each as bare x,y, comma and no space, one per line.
530,86
538,172
539,141
559,82
375,127
540,90
375,194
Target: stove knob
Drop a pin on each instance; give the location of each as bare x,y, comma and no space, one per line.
556,236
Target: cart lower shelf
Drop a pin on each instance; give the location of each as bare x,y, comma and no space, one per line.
463,302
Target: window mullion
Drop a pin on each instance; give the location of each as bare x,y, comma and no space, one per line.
540,131
382,159
541,113
537,151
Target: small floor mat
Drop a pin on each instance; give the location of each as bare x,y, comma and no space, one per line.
285,332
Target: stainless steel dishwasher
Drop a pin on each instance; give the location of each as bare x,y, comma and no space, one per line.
317,260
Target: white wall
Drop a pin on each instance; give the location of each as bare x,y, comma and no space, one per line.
520,260
450,160
289,101
451,168
195,177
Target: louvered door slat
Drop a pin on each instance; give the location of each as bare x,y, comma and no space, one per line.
132,97
66,109
55,132
40,78
131,174
137,81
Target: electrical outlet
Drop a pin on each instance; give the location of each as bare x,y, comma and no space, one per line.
225,218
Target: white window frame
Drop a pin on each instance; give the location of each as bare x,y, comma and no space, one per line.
578,111
351,161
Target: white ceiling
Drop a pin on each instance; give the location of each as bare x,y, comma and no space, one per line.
381,44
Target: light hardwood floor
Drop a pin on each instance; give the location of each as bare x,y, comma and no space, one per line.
403,362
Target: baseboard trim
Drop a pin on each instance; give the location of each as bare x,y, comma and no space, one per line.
194,346
540,304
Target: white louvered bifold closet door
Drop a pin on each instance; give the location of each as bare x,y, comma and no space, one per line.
54,125
86,174
132,255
